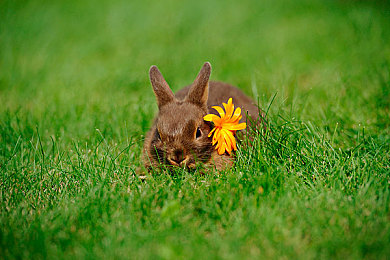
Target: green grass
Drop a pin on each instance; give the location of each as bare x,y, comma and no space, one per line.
76,103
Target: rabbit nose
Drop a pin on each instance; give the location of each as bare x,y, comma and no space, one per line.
178,157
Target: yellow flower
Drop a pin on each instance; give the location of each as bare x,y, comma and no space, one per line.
225,127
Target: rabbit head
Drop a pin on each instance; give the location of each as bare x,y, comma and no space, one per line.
179,136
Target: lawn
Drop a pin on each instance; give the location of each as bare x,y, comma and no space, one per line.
76,103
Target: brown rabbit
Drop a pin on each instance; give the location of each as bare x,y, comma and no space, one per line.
179,135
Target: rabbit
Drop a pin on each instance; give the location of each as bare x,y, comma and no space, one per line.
179,135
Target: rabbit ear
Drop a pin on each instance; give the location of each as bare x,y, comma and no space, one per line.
199,91
161,89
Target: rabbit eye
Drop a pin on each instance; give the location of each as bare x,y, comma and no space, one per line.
198,133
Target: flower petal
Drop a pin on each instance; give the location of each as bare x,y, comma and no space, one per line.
211,132
216,136
221,149
232,140
234,127
210,117
229,108
227,140
236,114
219,110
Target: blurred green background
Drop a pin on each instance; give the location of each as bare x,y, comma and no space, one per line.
71,55
74,79
74,51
